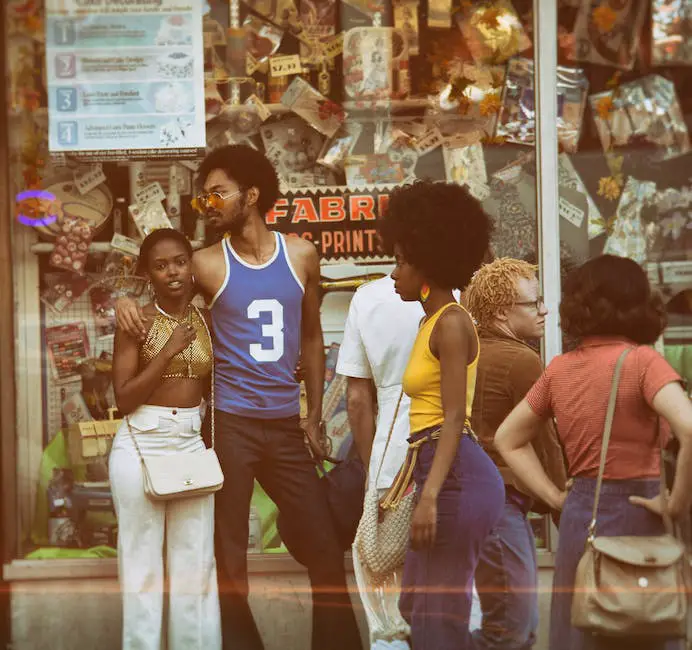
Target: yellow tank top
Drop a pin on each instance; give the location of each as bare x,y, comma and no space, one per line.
194,362
422,381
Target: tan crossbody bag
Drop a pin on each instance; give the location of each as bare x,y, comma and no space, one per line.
629,585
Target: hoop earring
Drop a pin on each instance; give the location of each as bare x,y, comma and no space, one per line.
150,290
424,293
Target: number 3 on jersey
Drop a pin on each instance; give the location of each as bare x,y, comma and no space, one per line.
273,330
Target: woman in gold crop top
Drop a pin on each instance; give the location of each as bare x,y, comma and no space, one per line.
159,384
439,235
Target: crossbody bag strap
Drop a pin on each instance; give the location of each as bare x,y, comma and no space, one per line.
213,364
389,435
606,438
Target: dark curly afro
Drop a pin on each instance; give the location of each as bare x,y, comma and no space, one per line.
611,296
247,167
441,229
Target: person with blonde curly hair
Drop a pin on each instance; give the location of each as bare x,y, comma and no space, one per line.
504,298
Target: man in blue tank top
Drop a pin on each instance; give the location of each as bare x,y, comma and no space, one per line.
263,292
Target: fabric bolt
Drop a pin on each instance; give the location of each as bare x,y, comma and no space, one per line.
507,581
437,582
274,452
574,389
378,338
257,315
616,516
183,529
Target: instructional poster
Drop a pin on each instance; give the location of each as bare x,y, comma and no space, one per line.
125,78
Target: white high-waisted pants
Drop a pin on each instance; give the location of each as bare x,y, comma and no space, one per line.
182,528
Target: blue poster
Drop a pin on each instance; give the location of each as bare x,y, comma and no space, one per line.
125,79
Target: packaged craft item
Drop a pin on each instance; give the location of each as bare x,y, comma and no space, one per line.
68,346
72,244
406,20
492,30
294,147
517,117
512,205
318,18
262,39
340,147
402,149
376,64
372,169
323,114
642,112
466,166
669,226
280,12
149,217
627,238
569,179
671,26
608,32
62,289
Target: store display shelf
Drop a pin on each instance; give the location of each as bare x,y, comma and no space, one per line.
94,247
353,107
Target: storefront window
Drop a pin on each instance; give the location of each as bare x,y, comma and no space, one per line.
626,186
347,99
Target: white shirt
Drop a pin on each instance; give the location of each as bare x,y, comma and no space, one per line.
379,335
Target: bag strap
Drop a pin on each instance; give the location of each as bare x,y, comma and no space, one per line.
606,438
610,413
389,435
213,368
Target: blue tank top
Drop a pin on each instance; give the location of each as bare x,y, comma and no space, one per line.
257,318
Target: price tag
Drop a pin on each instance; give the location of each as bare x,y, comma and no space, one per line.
88,180
251,64
464,139
431,140
281,66
125,244
152,192
262,110
333,47
509,174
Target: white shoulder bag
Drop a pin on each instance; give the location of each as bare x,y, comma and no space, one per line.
181,475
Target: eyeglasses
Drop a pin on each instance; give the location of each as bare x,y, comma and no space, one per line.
206,201
536,304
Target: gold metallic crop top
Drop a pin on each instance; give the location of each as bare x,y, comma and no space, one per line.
194,362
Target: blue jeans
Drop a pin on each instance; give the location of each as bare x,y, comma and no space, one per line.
616,516
507,581
437,582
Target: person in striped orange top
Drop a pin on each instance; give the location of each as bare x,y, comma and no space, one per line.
608,306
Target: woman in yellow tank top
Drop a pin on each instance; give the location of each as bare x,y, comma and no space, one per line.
439,235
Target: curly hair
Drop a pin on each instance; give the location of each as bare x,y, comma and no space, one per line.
247,167
441,229
611,296
153,238
495,285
